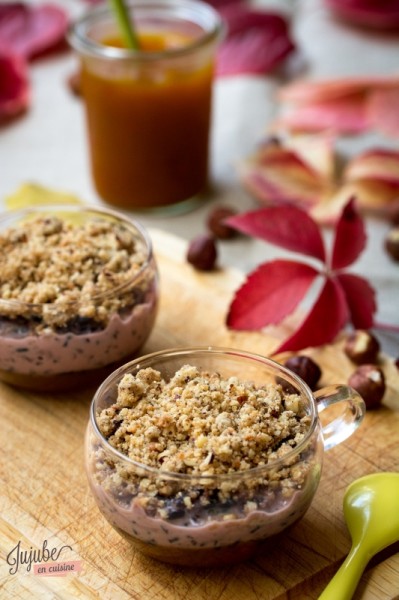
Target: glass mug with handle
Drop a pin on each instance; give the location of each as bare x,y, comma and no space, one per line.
204,520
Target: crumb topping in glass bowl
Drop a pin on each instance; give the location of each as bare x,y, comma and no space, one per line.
199,455
70,268
199,423
78,294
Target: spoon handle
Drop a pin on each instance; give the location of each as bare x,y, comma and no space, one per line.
344,582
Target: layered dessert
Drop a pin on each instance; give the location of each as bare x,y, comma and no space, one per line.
78,293
197,469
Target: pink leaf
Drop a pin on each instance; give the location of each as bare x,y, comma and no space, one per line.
14,86
360,297
376,164
269,294
343,115
287,226
324,321
382,109
350,237
317,151
29,30
372,197
277,174
256,41
325,90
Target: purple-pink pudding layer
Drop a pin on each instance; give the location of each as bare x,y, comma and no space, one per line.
206,528
53,353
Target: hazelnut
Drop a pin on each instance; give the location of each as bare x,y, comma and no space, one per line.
362,347
392,243
369,381
216,225
395,217
74,83
305,368
271,140
202,253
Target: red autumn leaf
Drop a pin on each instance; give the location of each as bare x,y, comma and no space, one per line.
275,289
360,298
256,41
287,226
29,30
324,321
14,86
269,294
220,4
350,237
370,13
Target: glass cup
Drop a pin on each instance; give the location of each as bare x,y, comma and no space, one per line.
148,111
59,344
205,520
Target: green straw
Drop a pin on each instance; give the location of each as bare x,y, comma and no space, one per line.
126,26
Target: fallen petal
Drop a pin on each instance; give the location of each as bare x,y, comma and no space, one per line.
324,321
286,226
30,30
350,237
269,294
14,86
256,41
360,297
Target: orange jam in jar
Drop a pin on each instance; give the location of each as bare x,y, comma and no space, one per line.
148,114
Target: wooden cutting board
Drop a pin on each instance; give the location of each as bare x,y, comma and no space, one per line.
44,495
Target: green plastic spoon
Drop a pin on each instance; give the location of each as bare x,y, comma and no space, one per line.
371,510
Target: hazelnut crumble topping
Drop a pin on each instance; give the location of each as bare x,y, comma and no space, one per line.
207,438
199,423
70,269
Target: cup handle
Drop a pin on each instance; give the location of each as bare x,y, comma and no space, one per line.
353,410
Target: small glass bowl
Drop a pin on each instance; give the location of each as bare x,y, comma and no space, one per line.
212,520
51,346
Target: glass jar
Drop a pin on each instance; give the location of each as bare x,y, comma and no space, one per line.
149,110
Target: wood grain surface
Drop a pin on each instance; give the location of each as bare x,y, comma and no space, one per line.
44,494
